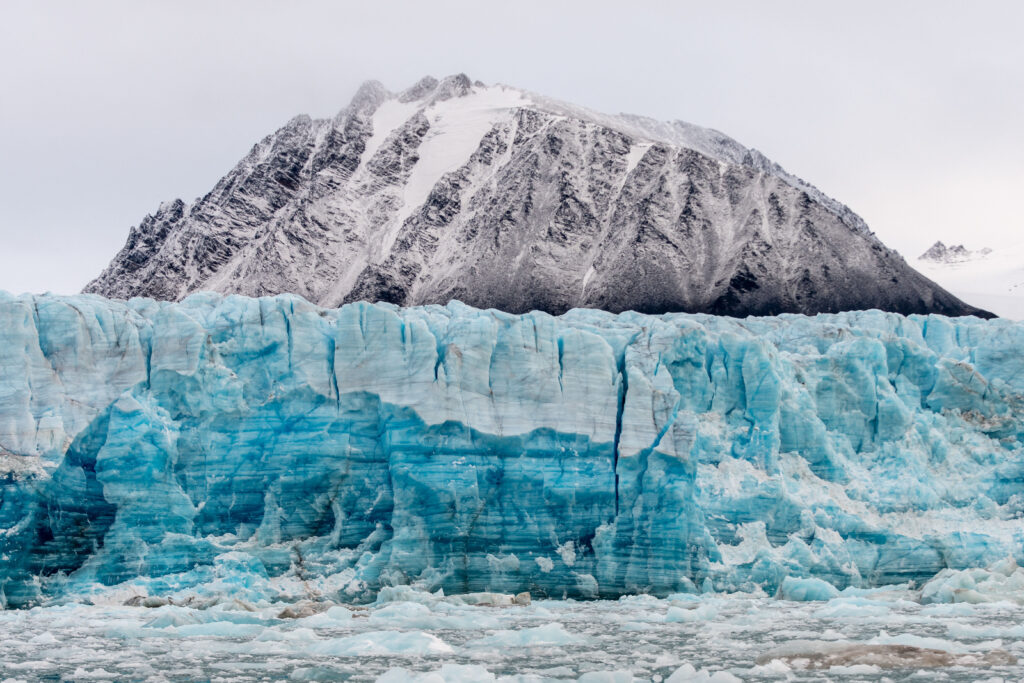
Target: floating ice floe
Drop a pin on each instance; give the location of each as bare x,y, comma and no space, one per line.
1003,581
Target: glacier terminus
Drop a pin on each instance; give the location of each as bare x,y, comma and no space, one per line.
273,449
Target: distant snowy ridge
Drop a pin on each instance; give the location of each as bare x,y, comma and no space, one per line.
992,279
958,253
502,198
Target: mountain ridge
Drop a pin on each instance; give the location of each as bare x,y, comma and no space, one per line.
502,198
955,253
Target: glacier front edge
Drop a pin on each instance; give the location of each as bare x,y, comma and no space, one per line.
271,446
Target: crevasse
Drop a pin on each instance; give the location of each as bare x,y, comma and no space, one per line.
232,442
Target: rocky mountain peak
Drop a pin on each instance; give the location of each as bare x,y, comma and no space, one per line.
957,253
502,198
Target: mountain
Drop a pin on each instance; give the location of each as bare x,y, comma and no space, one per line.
992,278
958,253
502,198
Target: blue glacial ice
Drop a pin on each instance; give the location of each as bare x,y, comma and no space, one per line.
270,449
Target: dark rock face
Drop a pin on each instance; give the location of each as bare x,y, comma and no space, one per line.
504,199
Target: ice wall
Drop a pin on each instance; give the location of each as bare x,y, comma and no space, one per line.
249,440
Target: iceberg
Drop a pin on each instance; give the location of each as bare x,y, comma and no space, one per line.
269,449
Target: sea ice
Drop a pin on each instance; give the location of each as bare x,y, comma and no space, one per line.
402,643
805,590
751,638
548,635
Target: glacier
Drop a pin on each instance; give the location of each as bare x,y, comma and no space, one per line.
270,449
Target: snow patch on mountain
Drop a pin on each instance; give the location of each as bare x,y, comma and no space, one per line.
456,128
636,153
389,116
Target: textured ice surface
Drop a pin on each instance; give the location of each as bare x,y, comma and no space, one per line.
268,450
1003,581
632,639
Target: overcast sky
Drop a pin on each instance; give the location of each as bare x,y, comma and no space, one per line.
911,113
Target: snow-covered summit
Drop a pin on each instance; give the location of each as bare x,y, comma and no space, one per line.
502,198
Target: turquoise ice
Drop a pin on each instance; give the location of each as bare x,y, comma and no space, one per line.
255,443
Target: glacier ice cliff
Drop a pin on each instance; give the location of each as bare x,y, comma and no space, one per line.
262,443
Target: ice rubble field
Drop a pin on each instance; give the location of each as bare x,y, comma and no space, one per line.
226,457
410,636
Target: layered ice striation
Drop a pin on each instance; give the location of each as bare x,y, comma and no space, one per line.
270,445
